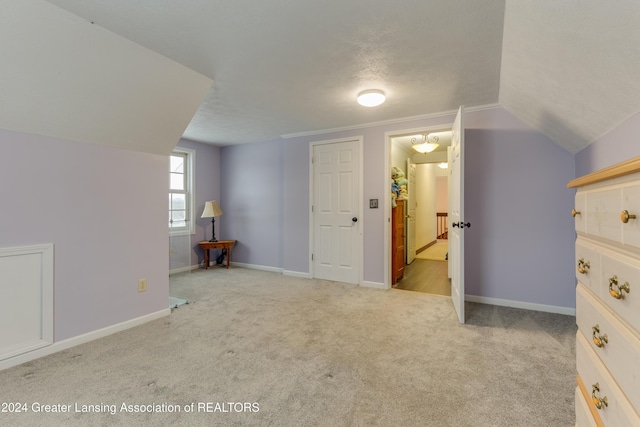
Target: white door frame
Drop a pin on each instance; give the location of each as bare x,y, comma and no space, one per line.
359,224
387,189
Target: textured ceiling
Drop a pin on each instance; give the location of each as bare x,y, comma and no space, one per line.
571,68
292,66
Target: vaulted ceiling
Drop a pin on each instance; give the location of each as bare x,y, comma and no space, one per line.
568,68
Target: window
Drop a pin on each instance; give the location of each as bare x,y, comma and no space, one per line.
181,191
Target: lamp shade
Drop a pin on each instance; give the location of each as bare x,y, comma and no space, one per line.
211,210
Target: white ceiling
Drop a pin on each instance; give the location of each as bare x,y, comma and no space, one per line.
288,66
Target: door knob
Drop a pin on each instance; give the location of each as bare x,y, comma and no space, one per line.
461,224
575,212
354,219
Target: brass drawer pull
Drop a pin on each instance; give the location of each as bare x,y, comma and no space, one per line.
583,267
625,216
598,401
618,293
574,213
599,340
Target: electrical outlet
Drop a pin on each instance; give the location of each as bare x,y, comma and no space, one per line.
142,285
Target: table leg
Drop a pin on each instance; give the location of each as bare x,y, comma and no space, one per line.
228,255
206,259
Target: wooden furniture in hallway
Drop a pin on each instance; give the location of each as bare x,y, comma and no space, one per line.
397,241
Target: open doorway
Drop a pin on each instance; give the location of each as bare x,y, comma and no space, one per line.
419,257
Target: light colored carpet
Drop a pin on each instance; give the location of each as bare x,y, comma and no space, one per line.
310,353
437,252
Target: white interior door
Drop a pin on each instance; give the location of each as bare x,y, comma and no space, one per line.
336,211
411,212
456,215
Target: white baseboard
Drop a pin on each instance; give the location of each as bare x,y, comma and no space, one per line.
375,285
81,339
299,274
520,304
184,269
257,267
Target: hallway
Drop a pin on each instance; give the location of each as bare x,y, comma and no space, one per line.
426,276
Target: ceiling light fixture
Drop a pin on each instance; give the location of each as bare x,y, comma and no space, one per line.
371,98
429,144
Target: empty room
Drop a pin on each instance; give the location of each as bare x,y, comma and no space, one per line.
214,213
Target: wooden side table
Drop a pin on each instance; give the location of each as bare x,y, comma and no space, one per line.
220,244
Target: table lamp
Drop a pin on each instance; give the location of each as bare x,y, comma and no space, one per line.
212,210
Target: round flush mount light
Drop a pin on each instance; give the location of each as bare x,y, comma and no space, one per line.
371,98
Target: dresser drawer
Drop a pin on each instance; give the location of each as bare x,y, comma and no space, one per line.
621,278
587,264
619,348
602,213
600,385
602,216
583,415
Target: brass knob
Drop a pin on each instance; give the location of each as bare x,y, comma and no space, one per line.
574,213
583,267
598,401
599,340
625,216
619,292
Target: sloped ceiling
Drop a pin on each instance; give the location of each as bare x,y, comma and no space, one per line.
63,77
571,68
290,66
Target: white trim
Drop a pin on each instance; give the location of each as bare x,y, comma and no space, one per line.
387,190
360,140
46,298
191,159
568,311
184,269
84,338
374,285
256,267
300,274
391,121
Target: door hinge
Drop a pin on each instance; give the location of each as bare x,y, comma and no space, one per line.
311,257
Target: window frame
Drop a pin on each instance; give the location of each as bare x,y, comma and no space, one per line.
189,166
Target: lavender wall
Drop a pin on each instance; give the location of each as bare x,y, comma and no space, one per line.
104,209
520,244
616,146
296,208
252,200
184,250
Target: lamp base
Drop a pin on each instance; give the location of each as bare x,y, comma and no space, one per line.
213,240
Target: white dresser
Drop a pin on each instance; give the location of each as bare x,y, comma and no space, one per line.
607,220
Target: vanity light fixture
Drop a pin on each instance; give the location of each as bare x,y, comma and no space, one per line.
371,98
